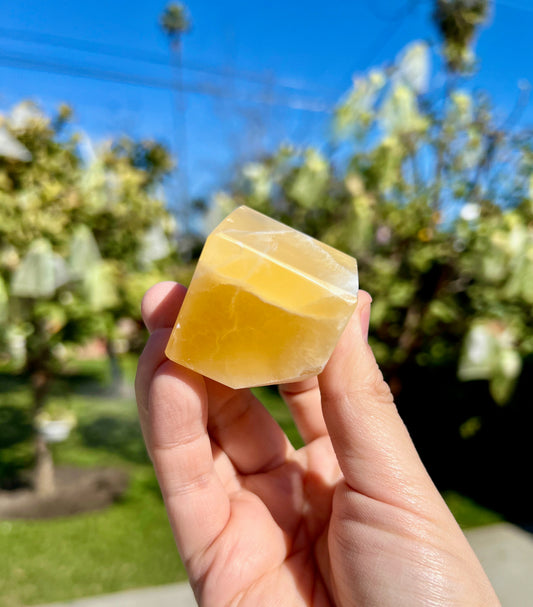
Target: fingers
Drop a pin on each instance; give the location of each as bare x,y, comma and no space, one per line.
161,304
238,422
245,430
373,447
172,405
180,448
152,357
304,402
159,309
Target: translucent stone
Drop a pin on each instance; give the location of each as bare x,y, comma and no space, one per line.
266,304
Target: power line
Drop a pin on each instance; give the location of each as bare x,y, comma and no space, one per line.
29,62
377,11
389,31
136,54
516,5
383,39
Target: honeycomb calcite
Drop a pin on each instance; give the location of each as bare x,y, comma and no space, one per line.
266,304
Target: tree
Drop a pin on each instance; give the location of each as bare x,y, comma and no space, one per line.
79,243
175,22
457,22
433,196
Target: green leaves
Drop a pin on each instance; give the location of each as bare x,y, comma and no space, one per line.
72,234
175,20
11,148
356,112
400,114
457,21
84,253
100,286
259,182
390,98
154,246
436,203
4,301
414,67
41,272
310,181
489,353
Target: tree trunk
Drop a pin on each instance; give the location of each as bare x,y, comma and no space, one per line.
44,475
118,385
44,483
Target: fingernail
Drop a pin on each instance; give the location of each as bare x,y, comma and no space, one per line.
364,321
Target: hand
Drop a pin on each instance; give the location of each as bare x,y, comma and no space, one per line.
352,518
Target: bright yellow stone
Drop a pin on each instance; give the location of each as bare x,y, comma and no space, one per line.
266,304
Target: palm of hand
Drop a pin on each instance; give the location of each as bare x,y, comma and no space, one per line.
273,548
350,519
275,505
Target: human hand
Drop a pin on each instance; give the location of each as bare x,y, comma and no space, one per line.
350,519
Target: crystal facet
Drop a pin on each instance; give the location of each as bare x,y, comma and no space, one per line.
266,304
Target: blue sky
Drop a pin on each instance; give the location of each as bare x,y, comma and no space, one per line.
304,53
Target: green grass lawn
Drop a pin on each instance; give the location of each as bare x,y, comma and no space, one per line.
129,544
125,546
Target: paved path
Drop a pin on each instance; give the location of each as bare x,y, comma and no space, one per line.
173,595
505,551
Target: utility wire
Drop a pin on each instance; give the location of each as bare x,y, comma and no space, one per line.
389,32
136,54
516,5
381,42
29,62
393,26
377,11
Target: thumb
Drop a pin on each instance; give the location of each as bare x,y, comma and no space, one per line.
373,447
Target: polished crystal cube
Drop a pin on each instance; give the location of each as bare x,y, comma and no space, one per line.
266,304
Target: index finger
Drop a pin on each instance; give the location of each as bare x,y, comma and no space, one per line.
159,308
173,413
161,303
247,433
180,447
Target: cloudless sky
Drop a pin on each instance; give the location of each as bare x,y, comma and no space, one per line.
304,53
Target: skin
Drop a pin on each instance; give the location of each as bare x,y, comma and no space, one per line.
350,519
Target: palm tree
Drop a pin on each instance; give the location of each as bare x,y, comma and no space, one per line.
457,22
175,21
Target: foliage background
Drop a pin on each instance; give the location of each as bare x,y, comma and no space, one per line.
433,194
421,180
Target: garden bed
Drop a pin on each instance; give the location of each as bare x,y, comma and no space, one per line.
77,490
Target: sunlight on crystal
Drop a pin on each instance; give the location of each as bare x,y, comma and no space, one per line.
266,305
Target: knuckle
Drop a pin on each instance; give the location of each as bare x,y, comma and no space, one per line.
369,388
375,388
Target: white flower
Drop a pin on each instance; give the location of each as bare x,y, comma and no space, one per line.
11,147
479,345
511,364
414,66
470,211
24,114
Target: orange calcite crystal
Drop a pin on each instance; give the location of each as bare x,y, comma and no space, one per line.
266,304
